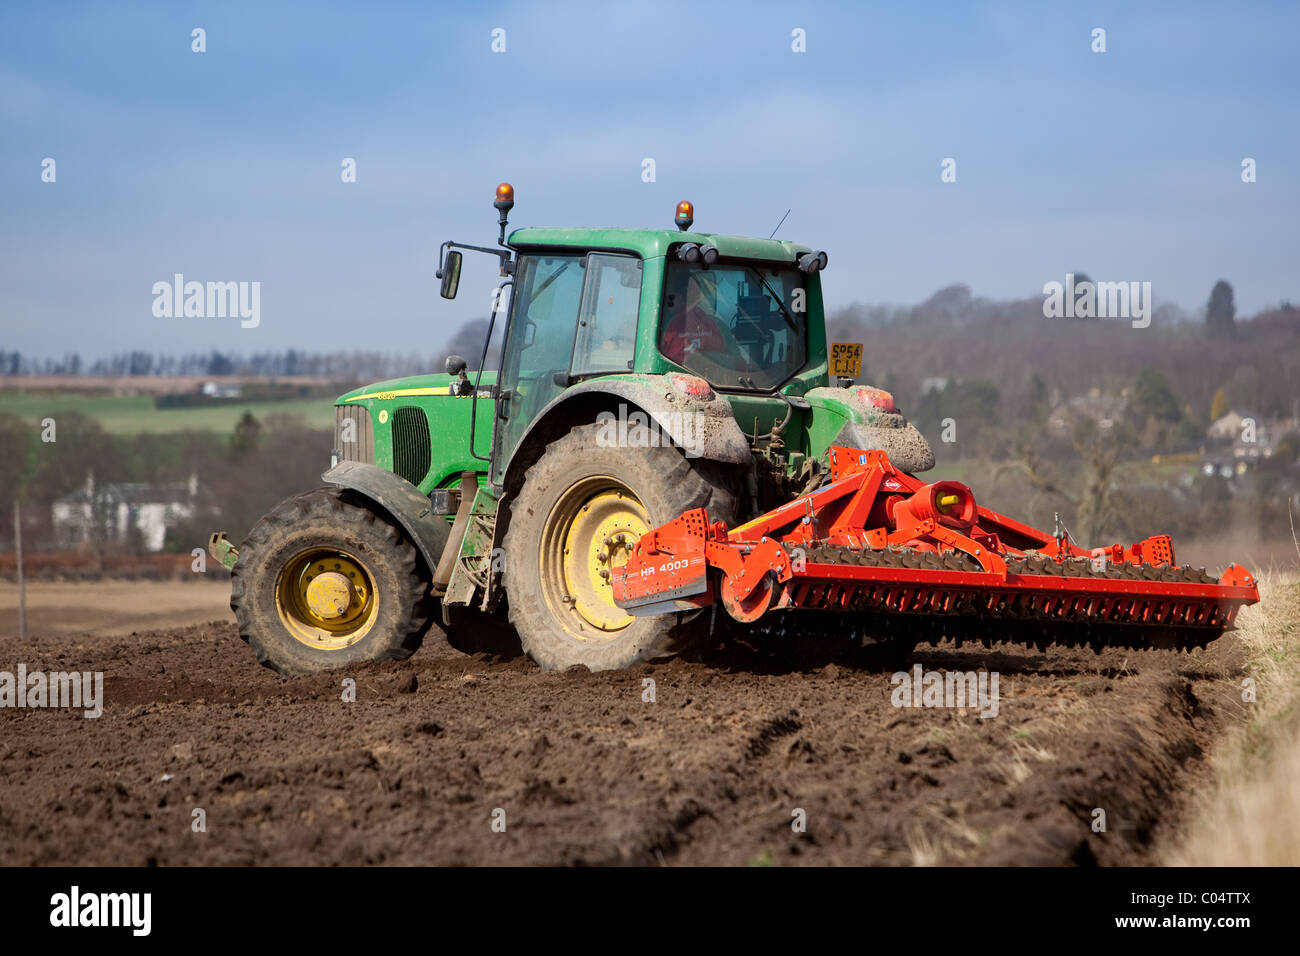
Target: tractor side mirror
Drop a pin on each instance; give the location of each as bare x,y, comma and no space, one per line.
451,275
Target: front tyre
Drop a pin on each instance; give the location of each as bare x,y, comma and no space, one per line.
324,581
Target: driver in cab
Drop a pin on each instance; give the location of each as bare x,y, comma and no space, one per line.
692,325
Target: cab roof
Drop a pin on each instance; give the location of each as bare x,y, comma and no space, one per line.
651,243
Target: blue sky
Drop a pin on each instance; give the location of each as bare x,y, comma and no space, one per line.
225,165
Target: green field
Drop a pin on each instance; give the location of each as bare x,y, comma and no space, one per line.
135,414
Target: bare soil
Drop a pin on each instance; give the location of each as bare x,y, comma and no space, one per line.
112,608
583,769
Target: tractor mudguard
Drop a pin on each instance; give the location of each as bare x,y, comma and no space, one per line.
399,498
875,427
904,444
713,435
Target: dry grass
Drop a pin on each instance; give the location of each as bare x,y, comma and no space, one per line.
1252,816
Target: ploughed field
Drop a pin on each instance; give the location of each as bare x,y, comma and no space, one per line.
782,749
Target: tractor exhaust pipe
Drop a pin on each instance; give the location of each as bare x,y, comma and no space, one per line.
442,575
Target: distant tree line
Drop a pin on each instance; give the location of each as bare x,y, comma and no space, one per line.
951,306
335,365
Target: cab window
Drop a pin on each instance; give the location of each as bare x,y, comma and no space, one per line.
737,325
606,339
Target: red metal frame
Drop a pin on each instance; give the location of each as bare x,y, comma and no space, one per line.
870,504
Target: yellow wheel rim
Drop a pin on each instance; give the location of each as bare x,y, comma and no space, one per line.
326,598
591,531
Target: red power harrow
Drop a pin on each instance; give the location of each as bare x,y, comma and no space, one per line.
876,541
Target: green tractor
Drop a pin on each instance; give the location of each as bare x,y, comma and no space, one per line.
643,373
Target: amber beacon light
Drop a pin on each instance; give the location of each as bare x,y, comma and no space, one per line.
685,215
505,200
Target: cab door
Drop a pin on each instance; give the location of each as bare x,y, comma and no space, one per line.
572,314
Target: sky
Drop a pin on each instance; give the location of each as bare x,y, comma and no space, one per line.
226,165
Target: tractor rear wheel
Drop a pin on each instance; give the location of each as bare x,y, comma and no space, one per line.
581,510
323,581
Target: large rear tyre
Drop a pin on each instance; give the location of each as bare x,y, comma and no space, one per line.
324,581
580,512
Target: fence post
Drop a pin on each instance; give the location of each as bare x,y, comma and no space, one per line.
22,585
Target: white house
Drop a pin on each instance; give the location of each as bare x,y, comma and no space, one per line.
1229,426
117,513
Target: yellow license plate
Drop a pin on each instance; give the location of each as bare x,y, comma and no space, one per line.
846,359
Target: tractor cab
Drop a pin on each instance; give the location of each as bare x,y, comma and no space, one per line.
587,304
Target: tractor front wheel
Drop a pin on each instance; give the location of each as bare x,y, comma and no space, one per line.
323,581
579,514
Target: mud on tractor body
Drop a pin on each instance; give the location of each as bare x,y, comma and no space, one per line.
664,431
